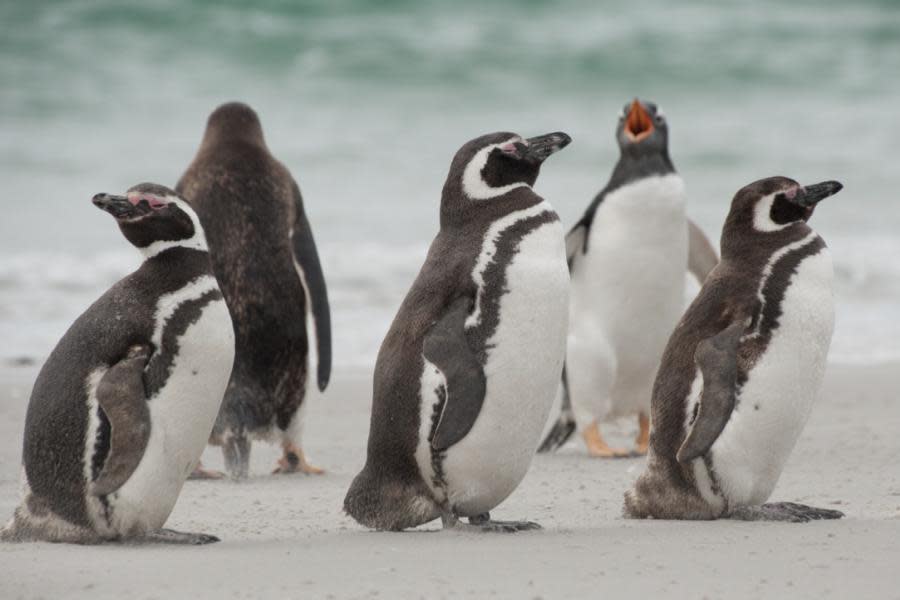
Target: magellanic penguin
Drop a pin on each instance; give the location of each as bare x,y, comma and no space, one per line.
741,371
265,259
628,256
467,373
121,410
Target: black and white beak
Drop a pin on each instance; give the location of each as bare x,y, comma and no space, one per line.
810,195
537,149
121,207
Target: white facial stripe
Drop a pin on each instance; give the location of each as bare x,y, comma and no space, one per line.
660,113
762,215
169,303
473,184
489,248
196,242
767,272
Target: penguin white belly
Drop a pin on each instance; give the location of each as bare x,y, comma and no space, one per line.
627,296
182,414
775,402
524,363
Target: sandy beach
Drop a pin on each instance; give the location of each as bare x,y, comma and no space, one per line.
287,536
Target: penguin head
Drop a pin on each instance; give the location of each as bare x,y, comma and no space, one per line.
642,129
152,217
233,121
491,166
773,205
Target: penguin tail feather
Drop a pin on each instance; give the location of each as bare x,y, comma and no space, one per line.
387,504
10,533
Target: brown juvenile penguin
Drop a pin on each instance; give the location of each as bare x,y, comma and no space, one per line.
265,259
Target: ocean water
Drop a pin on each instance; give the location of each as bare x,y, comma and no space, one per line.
366,102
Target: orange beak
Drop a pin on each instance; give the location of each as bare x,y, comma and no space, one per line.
638,124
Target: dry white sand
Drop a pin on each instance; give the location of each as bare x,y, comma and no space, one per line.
287,536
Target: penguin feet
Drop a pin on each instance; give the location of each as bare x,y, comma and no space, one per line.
483,524
597,446
200,473
294,461
236,450
642,442
170,536
784,511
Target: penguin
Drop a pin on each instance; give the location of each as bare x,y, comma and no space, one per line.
466,375
265,259
121,409
744,365
628,256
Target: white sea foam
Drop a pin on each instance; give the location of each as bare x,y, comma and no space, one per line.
41,294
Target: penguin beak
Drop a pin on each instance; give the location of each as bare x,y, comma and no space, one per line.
539,148
810,195
638,124
120,206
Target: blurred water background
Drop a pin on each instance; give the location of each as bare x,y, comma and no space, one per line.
366,102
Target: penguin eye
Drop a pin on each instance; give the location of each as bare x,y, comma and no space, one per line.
660,119
516,149
155,202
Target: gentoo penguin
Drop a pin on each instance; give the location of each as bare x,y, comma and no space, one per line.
121,410
265,259
741,371
467,373
628,256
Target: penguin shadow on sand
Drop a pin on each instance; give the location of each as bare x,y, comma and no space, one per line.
265,259
628,257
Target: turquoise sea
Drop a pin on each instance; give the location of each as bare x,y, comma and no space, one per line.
366,102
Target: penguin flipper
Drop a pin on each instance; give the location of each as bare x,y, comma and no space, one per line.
716,358
307,258
123,398
447,348
702,257
576,242
565,424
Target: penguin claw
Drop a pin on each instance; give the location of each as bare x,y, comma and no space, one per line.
170,536
484,524
790,512
597,446
509,526
607,452
199,473
807,513
294,461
